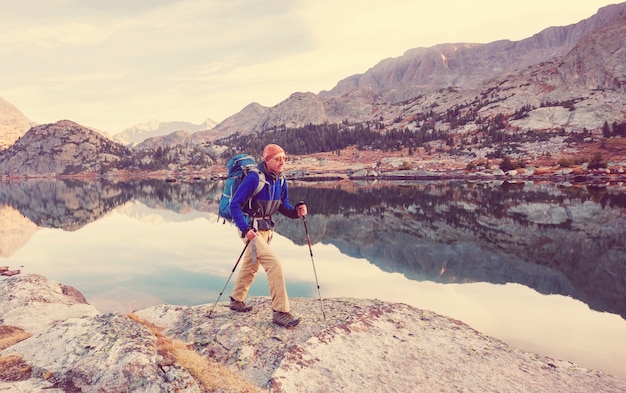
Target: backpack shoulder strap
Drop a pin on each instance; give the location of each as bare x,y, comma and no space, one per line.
261,184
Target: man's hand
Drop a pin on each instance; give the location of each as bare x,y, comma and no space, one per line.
301,209
250,234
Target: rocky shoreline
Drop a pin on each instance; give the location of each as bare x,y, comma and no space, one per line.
352,164
555,176
52,341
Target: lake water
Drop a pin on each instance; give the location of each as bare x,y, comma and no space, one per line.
540,266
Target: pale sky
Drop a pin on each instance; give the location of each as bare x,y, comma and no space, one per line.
111,64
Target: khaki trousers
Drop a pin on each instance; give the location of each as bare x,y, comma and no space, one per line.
265,257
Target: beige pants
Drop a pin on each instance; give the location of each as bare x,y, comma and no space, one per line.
265,257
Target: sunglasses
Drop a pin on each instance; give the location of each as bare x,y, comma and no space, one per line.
280,158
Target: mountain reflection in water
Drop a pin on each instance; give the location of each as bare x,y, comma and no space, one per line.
565,240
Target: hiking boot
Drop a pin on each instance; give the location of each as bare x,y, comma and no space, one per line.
238,306
285,319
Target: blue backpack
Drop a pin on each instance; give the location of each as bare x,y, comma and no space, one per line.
238,167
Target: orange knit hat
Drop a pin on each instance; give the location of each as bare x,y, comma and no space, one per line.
270,151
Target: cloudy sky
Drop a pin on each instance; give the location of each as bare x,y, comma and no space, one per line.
111,64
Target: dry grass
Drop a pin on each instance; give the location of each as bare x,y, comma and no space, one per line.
10,335
209,374
12,367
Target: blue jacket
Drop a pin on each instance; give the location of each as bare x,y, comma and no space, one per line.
272,198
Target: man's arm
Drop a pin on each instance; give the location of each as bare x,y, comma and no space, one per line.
243,193
287,209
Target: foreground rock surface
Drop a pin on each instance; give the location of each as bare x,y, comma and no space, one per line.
360,346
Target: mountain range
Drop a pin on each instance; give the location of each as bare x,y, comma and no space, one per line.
567,80
154,128
581,62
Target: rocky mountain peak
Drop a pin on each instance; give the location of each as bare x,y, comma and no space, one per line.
171,139
466,65
245,119
154,128
64,147
13,124
597,61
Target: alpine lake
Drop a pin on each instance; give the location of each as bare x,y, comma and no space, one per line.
540,266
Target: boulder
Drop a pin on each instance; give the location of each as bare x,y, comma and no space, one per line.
34,303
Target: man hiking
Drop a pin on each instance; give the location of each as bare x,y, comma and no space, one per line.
253,218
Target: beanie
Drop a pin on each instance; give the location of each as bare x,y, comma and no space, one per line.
270,151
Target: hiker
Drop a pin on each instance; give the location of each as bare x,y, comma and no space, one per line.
253,218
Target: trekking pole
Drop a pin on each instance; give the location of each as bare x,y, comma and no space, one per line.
231,274
308,238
